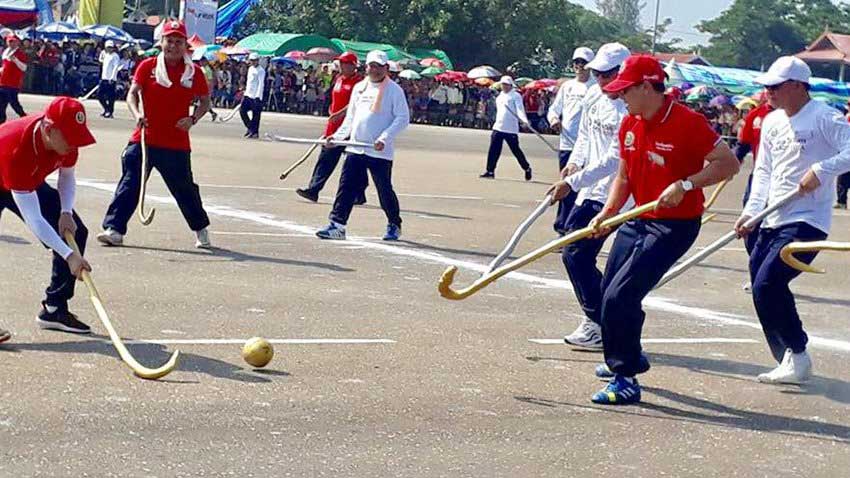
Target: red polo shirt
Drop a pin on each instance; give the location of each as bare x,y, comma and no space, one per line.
751,132
668,147
164,107
12,76
340,96
24,161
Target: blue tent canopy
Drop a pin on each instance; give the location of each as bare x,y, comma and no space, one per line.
231,15
109,32
58,31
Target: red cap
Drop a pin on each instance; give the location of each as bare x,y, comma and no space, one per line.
69,116
347,57
174,27
11,36
637,69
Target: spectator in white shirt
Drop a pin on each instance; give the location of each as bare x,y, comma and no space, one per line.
565,112
110,65
804,146
509,112
252,100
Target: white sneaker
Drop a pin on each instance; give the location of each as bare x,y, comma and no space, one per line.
203,241
111,237
587,335
794,369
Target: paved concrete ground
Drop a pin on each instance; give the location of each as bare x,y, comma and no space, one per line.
448,388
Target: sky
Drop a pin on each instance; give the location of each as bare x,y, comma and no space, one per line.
686,14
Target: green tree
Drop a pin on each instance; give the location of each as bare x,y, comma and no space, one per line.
624,12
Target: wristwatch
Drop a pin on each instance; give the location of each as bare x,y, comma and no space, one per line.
687,185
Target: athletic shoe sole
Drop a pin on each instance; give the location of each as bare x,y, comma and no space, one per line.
5,337
584,346
47,325
108,241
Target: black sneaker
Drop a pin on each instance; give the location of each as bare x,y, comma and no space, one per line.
61,320
487,175
306,195
528,174
4,335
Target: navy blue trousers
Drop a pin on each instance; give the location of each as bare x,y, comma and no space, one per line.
106,96
325,165
495,151
642,253
580,261
9,97
750,240
565,205
175,167
62,282
772,297
352,184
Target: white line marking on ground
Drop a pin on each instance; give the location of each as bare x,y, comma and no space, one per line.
410,195
512,206
267,234
707,340
651,302
271,341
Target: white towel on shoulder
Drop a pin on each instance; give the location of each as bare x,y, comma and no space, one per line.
161,73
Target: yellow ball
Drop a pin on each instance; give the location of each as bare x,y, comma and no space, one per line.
258,352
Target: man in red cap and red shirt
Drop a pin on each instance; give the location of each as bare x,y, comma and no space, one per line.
31,149
329,157
167,85
664,148
12,76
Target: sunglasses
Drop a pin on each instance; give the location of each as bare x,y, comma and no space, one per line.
581,63
606,74
775,87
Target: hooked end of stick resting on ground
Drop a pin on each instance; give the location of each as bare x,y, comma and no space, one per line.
444,285
157,373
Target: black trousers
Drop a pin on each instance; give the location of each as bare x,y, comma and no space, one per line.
495,151
62,281
565,205
250,112
841,186
353,182
175,167
106,96
9,96
325,165
580,261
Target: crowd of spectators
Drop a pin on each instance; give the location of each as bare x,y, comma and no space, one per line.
72,68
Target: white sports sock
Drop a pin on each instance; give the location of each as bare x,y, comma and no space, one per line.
51,309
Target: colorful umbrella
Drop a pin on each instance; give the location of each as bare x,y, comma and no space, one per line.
206,51
452,76
195,41
284,61
701,93
483,71
746,103
320,54
483,81
58,31
429,62
109,32
395,67
235,51
541,84
719,101
431,71
523,81
410,75
295,55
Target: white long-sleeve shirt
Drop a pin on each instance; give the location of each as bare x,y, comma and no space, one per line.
566,110
597,147
507,122
110,65
817,138
30,208
255,82
363,125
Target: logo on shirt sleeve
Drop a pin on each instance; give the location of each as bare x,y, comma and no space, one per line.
630,139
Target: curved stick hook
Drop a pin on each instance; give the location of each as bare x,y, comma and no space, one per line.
787,253
446,280
145,219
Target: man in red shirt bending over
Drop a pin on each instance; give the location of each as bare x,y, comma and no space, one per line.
31,149
12,76
664,148
167,85
329,157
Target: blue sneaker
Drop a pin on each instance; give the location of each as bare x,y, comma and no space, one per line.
332,231
393,232
619,391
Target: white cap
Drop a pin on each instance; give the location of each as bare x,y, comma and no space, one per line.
109,43
507,80
609,56
785,68
583,53
253,56
377,56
